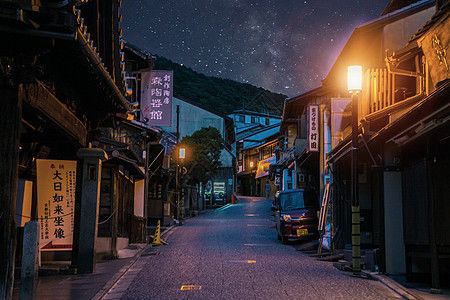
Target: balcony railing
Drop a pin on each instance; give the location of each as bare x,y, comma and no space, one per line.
377,94
384,88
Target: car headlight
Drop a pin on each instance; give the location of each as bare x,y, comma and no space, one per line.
287,218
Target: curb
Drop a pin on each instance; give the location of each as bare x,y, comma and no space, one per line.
116,278
393,285
167,230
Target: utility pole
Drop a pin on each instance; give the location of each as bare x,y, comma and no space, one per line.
177,193
146,182
355,87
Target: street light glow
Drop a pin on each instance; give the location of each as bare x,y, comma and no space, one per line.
182,153
354,78
251,164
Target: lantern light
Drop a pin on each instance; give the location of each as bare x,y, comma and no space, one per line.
354,78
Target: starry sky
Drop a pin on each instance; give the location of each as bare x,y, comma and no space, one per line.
285,46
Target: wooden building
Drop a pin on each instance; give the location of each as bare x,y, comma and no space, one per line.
403,116
62,76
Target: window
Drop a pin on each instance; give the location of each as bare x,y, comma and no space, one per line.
253,119
267,121
241,118
207,122
267,152
298,200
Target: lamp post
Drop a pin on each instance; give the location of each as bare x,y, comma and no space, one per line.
251,178
177,166
181,156
177,194
355,87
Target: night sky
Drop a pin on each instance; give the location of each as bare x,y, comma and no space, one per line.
285,46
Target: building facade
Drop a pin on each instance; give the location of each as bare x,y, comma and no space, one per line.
402,141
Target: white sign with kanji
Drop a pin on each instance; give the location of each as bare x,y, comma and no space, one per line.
156,97
56,182
313,128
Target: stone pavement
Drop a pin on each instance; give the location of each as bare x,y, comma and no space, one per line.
106,282
57,286
407,293
85,286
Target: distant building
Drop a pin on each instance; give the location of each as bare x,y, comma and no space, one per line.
193,117
256,152
256,139
245,118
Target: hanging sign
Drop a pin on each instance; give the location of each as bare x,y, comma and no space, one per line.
156,98
313,128
56,180
277,179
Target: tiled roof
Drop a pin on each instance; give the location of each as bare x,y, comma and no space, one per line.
441,14
396,5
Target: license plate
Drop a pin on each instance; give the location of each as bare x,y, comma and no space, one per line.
302,231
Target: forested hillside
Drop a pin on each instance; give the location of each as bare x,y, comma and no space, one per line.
220,95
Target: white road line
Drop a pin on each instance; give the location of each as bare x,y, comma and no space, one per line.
224,207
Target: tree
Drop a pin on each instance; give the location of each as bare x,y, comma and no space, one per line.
203,150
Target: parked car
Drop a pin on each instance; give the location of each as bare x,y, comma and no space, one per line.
296,215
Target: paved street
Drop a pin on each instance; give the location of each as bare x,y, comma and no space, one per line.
233,253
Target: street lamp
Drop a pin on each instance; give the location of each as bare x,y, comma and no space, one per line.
355,87
251,178
181,156
182,153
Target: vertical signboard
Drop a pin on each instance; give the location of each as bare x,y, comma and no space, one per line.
56,180
313,128
156,97
277,179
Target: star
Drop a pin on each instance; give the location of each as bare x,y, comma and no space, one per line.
284,46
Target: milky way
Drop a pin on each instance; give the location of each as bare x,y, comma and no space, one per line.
285,46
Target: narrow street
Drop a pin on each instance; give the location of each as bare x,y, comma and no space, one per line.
233,253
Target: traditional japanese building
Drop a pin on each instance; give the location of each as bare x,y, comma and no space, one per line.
62,75
256,150
131,147
402,141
